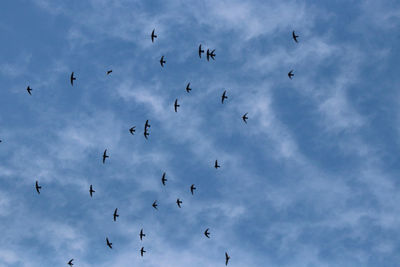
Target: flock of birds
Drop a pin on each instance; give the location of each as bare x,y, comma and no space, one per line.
209,54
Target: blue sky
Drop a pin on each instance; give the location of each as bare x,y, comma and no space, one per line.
311,180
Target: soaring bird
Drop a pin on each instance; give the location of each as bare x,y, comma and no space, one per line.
142,251
155,204
188,89
105,156
109,71
210,54
115,214
179,202
132,130
38,187
146,126
206,233
223,97
163,179
294,37
200,51
29,90
244,117
91,191
176,105
226,258
72,78
141,235
108,243
216,164
192,188
153,36
290,74
162,61
70,262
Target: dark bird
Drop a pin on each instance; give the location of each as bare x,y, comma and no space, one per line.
188,89
109,71
115,214
105,156
206,233
294,37
132,130
192,188
38,187
200,51
155,204
141,234
72,78
216,164
70,262
142,251
163,179
153,36
176,105
145,133
223,97
108,243
210,54
162,61
146,126
244,117
226,258
290,74
179,202
29,90
91,191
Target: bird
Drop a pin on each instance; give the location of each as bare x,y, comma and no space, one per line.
146,126
179,202
105,156
188,89
155,204
244,117
38,187
290,74
162,61
216,164
200,51
29,89
141,234
132,130
153,36
294,37
91,191
142,251
108,243
70,262
163,179
206,233
223,97
72,78
109,71
176,105
226,258
210,54
192,188
115,214
145,133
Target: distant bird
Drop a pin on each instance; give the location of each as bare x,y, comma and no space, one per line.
226,258
216,164
290,74
91,191
294,37
70,262
142,251
206,233
108,243
115,214
188,89
109,71
105,156
162,61
153,36
146,126
155,204
72,78
200,51
244,117
145,133
179,202
176,105
192,188
141,235
163,179
132,130
38,187
29,90
223,97
210,54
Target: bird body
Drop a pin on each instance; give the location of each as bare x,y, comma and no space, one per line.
153,36
72,78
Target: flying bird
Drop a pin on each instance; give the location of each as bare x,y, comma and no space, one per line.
109,71
216,164
179,202
210,54
72,78
176,105
163,179
155,204
141,234
192,188
146,126
223,97
294,37
115,214
108,243
105,156
200,51
290,74
162,61
91,191
29,90
188,89
142,251
145,133
38,187
132,130
206,233
226,258
70,262
153,36
244,117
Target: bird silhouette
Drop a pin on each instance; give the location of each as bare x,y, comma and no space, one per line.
72,78
132,130
115,214
176,105
210,54
244,117
142,251
29,90
108,243
109,71
223,97
155,204
294,37
200,51
216,164
105,156
141,235
91,191
146,127
226,258
192,188
206,233
70,262
162,61
290,74
179,202
188,89
38,187
153,36
163,179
